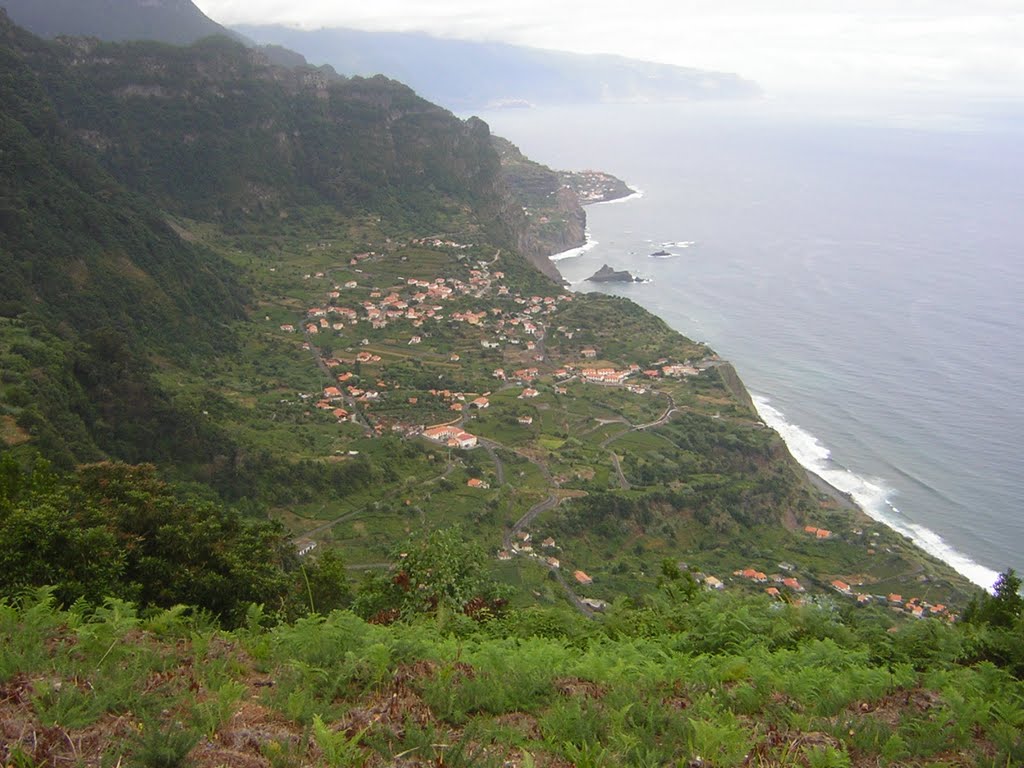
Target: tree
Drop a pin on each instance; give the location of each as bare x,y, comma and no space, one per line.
998,624
1001,609
116,530
677,583
325,585
442,570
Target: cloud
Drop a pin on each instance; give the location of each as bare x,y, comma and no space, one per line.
934,45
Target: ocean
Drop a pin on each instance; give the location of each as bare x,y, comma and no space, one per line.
865,276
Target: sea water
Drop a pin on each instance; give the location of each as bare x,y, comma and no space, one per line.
865,276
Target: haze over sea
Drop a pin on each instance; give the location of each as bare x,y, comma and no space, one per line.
864,276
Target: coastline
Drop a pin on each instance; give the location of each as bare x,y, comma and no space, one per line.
866,500
844,500
870,497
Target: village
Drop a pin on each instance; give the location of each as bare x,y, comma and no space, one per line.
362,330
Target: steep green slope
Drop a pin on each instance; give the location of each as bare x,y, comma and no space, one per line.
217,133
79,244
92,282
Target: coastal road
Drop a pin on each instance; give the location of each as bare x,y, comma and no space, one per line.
531,514
575,599
545,505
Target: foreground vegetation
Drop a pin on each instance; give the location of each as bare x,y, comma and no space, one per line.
710,681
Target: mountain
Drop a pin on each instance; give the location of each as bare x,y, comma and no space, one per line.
93,280
216,132
307,295
170,21
469,75
106,144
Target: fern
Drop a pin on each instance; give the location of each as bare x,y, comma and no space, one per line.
339,749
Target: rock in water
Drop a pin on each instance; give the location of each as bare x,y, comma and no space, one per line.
608,275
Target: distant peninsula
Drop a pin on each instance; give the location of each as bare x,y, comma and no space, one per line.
469,75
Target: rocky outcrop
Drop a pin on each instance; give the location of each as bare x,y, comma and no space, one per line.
608,275
735,385
545,206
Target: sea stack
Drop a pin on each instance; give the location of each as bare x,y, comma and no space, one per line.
608,275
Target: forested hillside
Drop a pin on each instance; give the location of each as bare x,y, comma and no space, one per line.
92,281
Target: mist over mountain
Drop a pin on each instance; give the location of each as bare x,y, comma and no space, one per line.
464,74
459,74
170,21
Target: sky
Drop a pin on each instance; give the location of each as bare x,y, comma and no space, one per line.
967,48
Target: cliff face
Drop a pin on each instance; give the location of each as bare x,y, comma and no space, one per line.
735,385
537,236
546,207
215,132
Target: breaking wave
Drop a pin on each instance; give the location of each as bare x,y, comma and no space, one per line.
572,253
870,494
637,194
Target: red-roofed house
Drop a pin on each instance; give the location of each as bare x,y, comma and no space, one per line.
793,584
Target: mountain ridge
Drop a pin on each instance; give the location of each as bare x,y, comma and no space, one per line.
465,74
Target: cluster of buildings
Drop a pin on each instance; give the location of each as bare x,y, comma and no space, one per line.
422,301
437,242
789,582
912,606
452,435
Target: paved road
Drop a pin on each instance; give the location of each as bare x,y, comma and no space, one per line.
499,465
540,507
356,416
623,482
